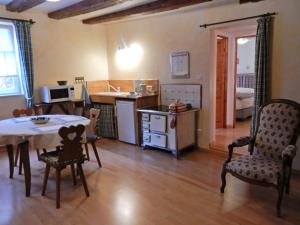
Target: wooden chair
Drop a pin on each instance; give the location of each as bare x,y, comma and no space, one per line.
19,113
70,153
272,149
92,136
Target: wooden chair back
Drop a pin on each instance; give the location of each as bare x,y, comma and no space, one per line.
71,150
94,117
23,112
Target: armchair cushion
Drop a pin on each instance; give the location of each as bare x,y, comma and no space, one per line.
289,151
256,168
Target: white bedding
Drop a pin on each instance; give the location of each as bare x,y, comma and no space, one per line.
244,92
243,103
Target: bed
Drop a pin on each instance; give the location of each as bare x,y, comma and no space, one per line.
244,103
245,84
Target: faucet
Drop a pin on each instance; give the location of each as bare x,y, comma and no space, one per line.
118,89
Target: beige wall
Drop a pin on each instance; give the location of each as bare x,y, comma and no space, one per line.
161,35
62,50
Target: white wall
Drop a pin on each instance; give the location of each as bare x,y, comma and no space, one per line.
246,56
62,49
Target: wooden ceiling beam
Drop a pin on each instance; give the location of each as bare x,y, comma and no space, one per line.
246,1
22,5
83,7
152,7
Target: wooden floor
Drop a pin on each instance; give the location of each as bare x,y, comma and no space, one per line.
225,136
143,188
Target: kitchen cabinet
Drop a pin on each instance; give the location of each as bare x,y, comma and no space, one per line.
139,102
172,132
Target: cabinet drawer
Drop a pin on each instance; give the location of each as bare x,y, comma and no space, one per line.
159,140
158,123
146,138
145,125
145,117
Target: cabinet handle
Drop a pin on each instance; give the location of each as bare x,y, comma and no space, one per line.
157,117
158,136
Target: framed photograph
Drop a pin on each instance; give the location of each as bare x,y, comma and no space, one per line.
180,64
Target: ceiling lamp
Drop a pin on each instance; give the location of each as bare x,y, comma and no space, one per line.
52,0
242,41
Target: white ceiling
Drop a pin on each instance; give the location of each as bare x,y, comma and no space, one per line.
47,7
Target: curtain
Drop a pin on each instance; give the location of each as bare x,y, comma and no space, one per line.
262,66
25,52
106,124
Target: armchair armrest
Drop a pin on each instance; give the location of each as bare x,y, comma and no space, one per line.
242,141
289,152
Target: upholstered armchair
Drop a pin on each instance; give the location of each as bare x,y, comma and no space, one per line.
272,149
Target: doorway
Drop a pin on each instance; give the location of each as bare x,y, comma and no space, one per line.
245,82
234,86
221,81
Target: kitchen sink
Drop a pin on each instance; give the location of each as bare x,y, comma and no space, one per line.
111,93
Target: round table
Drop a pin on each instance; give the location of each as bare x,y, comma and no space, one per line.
14,131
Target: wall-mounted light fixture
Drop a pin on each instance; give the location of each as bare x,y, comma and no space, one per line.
130,56
242,41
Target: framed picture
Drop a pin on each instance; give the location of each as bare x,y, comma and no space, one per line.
180,64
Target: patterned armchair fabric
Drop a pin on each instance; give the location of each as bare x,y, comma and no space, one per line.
272,148
277,125
256,168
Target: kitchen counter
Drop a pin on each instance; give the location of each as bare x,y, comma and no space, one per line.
163,110
110,97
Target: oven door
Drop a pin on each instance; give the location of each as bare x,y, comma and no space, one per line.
158,123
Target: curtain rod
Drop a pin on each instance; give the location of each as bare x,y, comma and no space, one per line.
245,18
6,18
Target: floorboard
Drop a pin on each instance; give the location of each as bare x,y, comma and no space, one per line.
149,187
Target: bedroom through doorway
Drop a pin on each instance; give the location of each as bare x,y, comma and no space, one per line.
235,83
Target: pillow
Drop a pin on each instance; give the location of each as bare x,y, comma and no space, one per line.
244,92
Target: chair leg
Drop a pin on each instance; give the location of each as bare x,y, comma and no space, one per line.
280,196
287,187
38,153
20,165
17,155
58,188
223,178
45,179
96,153
73,174
87,151
79,166
10,153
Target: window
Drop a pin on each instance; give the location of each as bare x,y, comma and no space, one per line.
10,78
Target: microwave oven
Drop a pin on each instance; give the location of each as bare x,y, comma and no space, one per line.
51,94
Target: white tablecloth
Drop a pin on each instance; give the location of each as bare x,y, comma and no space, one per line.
16,130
